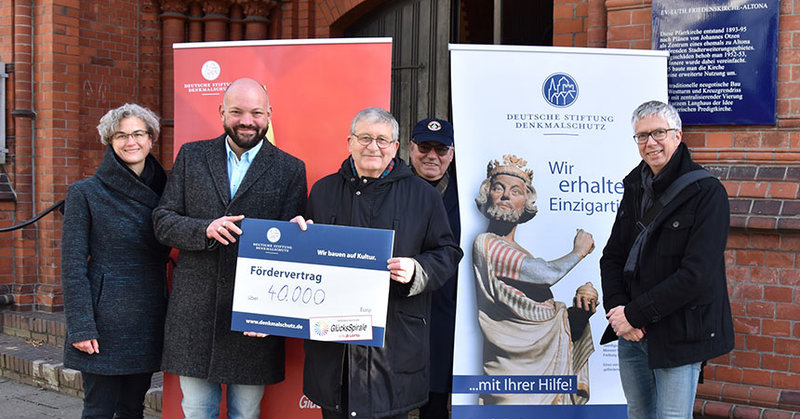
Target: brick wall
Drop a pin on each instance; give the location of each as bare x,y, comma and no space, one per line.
764,368
570,23
628,24
332,17
7,214
119,62
83,59
56,78
20,124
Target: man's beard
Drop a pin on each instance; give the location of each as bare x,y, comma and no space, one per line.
509,215
245,144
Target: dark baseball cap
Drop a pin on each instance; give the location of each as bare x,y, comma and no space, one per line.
433,129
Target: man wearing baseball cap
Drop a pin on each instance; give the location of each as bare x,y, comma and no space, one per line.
431,154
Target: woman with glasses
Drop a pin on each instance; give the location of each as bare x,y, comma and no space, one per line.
113,270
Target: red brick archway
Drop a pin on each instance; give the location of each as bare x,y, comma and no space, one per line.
334,16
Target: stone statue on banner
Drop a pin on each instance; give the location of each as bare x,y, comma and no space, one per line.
525,330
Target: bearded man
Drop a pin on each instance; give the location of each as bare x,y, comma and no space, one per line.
527,332
213,186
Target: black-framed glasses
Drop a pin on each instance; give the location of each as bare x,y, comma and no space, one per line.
137,135
426,148
366,140
659,134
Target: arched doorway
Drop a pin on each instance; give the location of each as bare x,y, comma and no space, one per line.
420,31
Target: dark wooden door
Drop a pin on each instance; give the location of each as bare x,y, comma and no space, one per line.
420,31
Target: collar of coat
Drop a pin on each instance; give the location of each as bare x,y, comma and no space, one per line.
123,181
217,160
680,163
399,171
440,185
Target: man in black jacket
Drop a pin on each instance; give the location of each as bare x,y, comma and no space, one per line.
431,155
666,299
374,188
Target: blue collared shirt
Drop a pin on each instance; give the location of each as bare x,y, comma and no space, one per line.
237,168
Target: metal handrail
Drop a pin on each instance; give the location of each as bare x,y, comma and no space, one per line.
54,207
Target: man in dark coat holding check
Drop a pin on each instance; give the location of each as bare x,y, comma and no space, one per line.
373,188
436,135
215,184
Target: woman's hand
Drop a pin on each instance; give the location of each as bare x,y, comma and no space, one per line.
89,346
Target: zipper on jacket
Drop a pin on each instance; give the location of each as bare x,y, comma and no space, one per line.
341,380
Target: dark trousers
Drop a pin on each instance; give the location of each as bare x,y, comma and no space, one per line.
436,408
114,396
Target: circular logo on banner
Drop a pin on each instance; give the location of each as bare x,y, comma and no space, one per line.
210,70
560,90
273,234
321,328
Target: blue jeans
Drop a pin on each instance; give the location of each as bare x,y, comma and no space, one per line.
201,399
659,393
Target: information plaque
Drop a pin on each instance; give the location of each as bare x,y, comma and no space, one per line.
723,61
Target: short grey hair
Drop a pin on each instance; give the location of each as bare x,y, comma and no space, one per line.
657,108
109,123
376,115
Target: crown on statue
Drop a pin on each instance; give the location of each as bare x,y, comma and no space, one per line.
512,166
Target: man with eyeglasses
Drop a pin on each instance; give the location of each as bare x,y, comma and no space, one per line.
431,154
663,270
374,188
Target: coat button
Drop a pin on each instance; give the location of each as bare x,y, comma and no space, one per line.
364,180
675,224
353,413
358,193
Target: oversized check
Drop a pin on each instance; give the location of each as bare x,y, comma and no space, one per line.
326,283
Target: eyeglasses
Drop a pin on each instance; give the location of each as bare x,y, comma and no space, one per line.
137,135
366,140
657,134
426,148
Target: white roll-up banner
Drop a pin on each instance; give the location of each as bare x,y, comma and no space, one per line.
554,125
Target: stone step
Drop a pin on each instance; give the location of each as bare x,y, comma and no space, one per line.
44,328
31,352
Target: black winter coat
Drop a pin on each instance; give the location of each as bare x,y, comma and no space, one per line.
113,271
393,379
443,305
198,338
679,292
